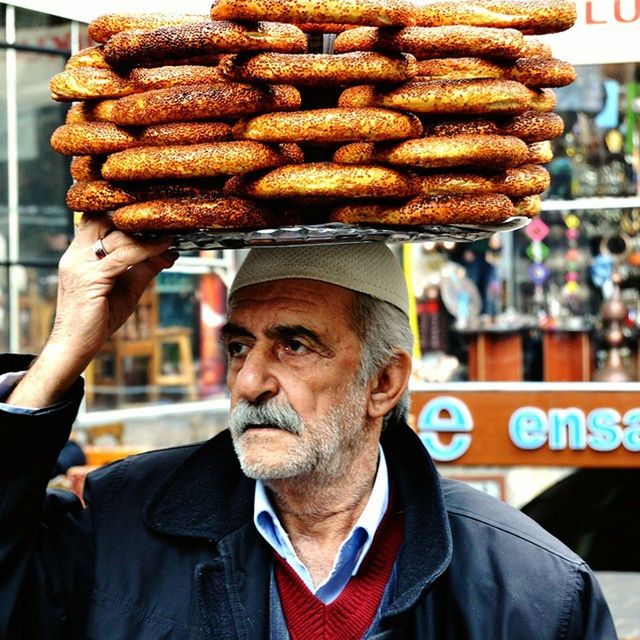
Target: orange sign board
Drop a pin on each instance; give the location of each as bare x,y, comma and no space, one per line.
529,427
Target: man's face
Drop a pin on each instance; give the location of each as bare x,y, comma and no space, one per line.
293,361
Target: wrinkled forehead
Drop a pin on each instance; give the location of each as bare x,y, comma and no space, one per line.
295,307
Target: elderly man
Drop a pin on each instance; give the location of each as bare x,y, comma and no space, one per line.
328,522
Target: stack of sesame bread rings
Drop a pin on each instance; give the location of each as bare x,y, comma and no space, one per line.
434,114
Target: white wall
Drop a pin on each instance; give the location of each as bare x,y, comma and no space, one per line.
87,11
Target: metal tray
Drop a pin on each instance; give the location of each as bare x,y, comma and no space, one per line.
335,233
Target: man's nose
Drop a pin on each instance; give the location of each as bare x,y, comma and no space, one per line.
255,381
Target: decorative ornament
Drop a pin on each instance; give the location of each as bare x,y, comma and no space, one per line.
537,230
538,273
537,251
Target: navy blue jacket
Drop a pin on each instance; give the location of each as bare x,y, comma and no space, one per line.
166,550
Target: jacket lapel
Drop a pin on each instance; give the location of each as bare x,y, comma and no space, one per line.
208,498
427,546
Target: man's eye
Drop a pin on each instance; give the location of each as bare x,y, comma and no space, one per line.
237,349
296,347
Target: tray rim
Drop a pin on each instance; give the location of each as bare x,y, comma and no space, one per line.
332,233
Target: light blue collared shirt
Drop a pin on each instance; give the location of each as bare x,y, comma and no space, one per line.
353,549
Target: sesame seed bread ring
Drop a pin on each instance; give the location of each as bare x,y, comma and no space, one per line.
324,27
426,210
531,72
483,96
192,161
529,206
86,168
528,16
101,138
195,102
317,69
326,180
382,13
187,214
530,126
483,151
136,48
329,125
459,69
456,127
88,57
86,83
94,57
106,26
79,112
534,48
94,110
434,42
147,79
515,182
533,126
538,73
99,195
540,152
543,100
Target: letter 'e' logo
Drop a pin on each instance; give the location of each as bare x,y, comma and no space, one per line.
445,414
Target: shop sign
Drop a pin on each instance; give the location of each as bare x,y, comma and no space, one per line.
606,31
545,427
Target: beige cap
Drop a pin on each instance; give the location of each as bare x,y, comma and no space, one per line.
365,267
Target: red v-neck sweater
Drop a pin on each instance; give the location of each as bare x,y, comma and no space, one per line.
350,615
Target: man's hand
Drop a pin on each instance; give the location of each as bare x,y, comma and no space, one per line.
95,297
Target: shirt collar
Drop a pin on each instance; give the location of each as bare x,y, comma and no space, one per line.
268,524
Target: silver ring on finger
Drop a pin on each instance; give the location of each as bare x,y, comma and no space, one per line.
99,249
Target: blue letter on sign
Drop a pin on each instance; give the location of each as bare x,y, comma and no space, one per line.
528,428
631,439
567,428
606,433
445,415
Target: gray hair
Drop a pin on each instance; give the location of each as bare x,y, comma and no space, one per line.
383,330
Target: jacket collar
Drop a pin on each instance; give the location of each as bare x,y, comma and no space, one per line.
209,497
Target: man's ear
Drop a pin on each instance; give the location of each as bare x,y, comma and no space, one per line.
388,386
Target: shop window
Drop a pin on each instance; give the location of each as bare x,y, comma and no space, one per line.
43,31
36,305
3,153
598,154
168,350
4,309
43,174
524,306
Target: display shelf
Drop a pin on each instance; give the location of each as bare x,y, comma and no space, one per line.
581,204
335,233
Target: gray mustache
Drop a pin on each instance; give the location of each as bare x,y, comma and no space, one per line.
271,413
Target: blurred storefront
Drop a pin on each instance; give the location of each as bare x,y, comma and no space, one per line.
165,361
